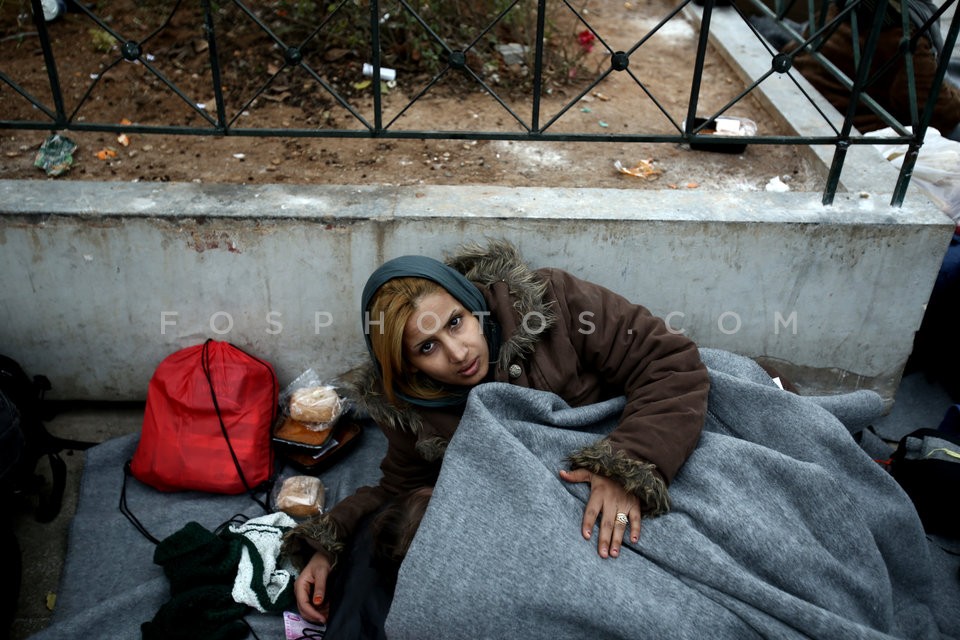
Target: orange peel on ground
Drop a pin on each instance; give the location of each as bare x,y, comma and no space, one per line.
643,169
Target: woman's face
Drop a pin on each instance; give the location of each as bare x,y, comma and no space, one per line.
445,342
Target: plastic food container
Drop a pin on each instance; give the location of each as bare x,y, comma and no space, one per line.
724,126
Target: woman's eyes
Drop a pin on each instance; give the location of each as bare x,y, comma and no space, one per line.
428,347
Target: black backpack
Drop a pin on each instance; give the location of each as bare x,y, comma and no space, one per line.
926,463
11,452
11,442
24,440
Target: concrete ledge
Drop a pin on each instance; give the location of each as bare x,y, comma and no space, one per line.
102,280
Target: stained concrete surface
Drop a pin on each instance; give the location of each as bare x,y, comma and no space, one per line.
919,403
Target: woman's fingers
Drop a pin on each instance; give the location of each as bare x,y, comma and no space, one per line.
620,523
309,589
617,507
617,511
575,475
625,519
635,527
592,510
611,531
305,602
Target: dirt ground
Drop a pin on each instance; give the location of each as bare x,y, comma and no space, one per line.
127,92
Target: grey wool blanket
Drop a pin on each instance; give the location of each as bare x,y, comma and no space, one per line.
111,585
781,527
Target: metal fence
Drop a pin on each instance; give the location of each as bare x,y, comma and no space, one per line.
464,59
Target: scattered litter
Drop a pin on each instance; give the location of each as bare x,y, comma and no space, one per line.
513,53
123,140
724,126
735,127
601,96
240,156
602,123
334,54
278,98
53,9
776,185
296,627
51,600
586,39
643,169
55,155
107,153
386,73
586,110
363,84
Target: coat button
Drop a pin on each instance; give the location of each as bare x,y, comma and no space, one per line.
515,371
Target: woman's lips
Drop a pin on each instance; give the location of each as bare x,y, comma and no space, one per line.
470,369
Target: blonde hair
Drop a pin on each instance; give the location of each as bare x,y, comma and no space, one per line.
391,307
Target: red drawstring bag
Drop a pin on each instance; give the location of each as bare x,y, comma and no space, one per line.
207,424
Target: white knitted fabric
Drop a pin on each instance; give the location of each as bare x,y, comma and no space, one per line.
264,535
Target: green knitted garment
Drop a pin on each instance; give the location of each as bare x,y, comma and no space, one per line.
201,568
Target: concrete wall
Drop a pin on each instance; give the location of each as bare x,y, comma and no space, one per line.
102,280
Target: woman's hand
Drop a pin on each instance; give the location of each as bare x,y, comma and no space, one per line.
607,499
310,589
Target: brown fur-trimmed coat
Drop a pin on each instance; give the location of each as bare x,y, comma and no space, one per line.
560,334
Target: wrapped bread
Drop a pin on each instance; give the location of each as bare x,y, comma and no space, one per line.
309,434
301,496
317,405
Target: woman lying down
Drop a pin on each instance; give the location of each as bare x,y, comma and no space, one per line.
525,479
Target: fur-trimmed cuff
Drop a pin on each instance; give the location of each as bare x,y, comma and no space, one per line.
316,534
432,449
638,477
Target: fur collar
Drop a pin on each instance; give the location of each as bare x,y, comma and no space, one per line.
496,261
500,261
